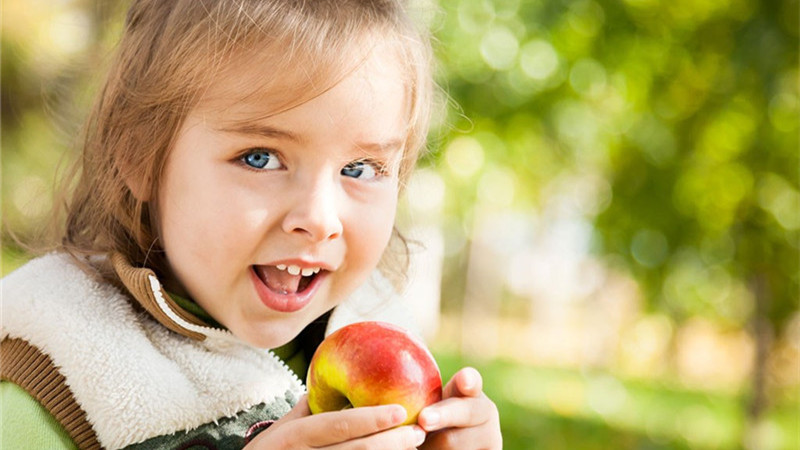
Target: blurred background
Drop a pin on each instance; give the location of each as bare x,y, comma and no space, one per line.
608,218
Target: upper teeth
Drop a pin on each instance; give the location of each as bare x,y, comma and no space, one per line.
296,270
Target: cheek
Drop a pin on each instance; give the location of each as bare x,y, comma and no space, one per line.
371,230
182,209
195,212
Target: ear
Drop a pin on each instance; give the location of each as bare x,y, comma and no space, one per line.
134,176
139,187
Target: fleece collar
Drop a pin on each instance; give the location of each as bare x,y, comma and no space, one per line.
145,288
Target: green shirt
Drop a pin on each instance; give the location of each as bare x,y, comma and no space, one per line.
27,424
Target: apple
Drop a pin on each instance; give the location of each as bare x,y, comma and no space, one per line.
373,363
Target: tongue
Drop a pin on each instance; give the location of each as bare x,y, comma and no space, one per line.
278,281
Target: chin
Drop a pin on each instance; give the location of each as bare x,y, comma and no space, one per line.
267,335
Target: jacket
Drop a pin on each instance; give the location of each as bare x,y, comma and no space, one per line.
129,368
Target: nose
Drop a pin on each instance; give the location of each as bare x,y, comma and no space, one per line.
315,212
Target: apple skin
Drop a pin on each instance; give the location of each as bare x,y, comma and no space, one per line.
369,364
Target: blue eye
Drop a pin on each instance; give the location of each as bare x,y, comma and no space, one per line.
364,170
262,159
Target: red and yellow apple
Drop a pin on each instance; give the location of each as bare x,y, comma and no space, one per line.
369,364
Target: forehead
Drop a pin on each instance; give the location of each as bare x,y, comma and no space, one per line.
261,85
367,108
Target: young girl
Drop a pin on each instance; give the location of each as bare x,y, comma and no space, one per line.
236,193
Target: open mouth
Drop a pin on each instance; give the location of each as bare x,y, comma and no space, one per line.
286,280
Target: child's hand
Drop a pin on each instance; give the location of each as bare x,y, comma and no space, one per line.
366,427
465,418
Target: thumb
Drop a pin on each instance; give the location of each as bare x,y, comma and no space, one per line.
300,409
257,432
467,382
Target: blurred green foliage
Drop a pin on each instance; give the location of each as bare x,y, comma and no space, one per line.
564,409
684,116
688,110
53,54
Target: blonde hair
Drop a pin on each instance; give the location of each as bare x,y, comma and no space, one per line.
173,52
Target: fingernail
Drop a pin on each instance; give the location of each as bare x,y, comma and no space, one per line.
469,380
469,383
419,435
431,418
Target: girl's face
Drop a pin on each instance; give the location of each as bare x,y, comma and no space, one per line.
268,224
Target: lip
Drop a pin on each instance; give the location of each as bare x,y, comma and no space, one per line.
286,302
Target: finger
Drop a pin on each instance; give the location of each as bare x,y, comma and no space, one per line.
464,438
406,437
460,412
467,382
340,426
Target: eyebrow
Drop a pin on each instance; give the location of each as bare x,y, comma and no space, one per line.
255,129
261,130
381,147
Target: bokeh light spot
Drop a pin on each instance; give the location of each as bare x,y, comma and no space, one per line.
70,31
499,48
497,186
538,59
425,191
464,156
